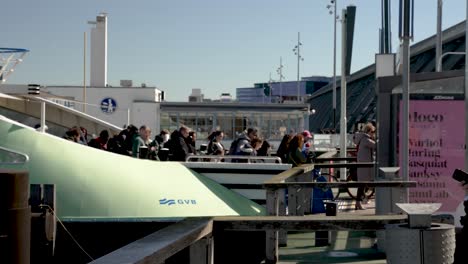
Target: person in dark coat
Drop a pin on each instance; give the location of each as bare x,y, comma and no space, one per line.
191,142
264,150
365,144
128,135
179,150
162,138
283,148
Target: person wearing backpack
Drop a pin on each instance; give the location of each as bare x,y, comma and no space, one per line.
244,147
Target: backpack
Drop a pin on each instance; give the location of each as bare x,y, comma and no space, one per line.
233,147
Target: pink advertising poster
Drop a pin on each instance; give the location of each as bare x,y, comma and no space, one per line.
436,149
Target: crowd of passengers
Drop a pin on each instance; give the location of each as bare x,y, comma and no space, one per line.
180,144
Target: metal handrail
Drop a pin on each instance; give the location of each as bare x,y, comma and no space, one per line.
439,63
25,156
229,158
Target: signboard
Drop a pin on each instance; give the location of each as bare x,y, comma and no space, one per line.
108,105
436,149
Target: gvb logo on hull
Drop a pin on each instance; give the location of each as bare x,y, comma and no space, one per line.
170,202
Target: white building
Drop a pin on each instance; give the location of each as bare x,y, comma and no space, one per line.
196,96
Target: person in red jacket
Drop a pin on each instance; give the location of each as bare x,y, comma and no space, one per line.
101,141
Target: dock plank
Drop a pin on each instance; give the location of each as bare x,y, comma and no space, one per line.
159,246
345,165
310,222
394,184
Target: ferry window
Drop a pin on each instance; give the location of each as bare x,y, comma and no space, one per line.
278,126
173,121
188,120
240,124
165,124
224,123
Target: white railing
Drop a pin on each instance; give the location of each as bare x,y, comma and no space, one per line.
228,159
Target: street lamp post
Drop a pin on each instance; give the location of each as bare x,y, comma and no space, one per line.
280,74
332,11
270,81
405,34
439,35
297,52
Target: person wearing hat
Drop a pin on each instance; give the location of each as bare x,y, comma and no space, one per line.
307,143
307,135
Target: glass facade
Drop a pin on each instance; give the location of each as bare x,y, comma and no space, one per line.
271,125
286,91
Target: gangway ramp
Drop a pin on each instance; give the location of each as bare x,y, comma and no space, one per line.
56,113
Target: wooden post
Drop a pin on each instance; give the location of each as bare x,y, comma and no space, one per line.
272,235
210,259
292,200
301,195
198,252
283,234
14,188
42,202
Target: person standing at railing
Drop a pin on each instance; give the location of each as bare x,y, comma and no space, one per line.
283,148
128,135
264,150
215,147
244,145
256,145
178,148
365,143
141,144
72,135
295,156
162,138
101,141
192,142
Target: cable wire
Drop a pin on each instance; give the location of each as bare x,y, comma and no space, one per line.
66,230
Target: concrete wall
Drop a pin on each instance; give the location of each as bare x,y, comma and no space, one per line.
146,113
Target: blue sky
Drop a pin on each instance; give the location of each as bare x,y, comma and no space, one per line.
178,45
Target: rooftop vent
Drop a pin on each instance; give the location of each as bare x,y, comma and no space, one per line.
126,83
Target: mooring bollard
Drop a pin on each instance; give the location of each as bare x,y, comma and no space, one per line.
420,241
15,216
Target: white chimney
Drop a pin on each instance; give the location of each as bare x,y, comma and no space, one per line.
98,67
